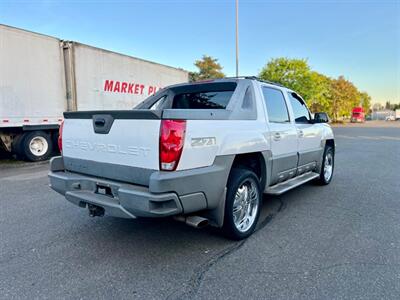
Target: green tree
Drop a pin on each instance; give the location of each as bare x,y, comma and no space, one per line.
292,73
365,101
209,68
320,93
337,96
344,96
297,75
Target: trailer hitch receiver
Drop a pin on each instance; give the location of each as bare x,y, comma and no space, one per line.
95,211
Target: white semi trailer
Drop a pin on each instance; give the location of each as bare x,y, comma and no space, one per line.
42,76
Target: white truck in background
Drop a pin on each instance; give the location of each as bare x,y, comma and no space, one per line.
397,114
42,76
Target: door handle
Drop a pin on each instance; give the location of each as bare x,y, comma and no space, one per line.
277,136
300,133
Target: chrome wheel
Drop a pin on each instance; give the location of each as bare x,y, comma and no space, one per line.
328,166
38,146
245,206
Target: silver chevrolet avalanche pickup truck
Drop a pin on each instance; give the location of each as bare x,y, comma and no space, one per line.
203,153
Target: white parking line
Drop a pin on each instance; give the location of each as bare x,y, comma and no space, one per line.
365,137
390,138
345,136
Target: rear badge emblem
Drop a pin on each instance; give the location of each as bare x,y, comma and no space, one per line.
203,141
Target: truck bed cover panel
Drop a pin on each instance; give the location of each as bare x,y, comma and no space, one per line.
116,114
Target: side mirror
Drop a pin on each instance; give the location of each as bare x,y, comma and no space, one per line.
321,117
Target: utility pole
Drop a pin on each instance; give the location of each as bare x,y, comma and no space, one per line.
237,38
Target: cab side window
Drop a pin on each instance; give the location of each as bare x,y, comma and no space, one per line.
276,105
300,110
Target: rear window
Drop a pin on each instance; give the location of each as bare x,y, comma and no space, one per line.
202,100
203,96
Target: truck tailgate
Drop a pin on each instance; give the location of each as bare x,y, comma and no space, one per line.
120,145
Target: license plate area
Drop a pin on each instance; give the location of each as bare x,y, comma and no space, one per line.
104,190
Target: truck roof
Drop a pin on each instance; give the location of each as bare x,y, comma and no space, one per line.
258,79
230,79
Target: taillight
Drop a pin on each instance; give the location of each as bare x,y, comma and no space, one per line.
60,130
172,137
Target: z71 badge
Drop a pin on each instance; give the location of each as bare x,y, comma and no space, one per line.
203,141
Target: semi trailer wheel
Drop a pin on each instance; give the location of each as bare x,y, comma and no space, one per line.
35,146
16,146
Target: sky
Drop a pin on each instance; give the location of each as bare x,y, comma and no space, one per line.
357,39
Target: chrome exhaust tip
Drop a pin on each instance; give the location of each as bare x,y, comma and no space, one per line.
194,221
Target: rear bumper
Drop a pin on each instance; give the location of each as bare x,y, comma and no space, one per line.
168,194
127,201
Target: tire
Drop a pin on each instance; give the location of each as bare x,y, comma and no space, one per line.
36,146
249,184
329,155
54,139
16,146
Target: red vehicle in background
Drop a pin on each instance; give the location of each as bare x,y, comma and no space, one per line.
357,115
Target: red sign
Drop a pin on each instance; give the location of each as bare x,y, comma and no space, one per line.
123,87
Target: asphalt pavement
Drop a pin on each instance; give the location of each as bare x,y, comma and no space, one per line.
340,241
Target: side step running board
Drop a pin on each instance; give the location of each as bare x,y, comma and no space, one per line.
282,187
